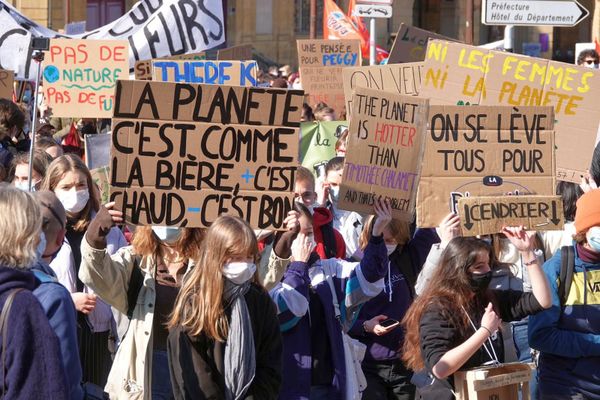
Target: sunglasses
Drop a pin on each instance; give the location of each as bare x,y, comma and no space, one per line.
590,62
306,196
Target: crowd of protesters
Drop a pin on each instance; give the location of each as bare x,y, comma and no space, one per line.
339,305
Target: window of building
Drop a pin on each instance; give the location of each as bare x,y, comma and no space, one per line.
102,12
303,17
264,17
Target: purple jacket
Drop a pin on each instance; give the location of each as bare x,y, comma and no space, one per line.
355,283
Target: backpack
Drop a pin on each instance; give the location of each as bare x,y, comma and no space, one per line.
567,269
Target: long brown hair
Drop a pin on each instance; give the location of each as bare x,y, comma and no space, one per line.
145,242
199,307
55,173
448,289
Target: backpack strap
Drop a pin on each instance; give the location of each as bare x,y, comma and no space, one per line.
565,278
4,329
136,281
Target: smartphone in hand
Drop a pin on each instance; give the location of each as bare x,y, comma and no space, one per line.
389,323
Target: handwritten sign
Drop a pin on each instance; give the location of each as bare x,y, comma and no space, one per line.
7,79
410,44
317,143
241,53
484,151
100,176
229,73
143,69
385,151
394,78
80,76
487,215
183,154
321,63
460,74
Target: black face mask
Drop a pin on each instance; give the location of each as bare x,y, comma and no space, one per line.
480,282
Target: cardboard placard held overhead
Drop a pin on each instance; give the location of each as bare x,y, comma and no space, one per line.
183,153
489,214
101,177
484,151
410,44
143,69
80,76
321,64
461,74
7,80
317,144
228,73
241,53
394,78
385,151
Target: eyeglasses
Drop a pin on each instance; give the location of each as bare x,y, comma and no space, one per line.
306,196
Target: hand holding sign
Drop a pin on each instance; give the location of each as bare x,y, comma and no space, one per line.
383,210
523,240
448,229
101,225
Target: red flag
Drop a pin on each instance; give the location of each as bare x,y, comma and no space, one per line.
362,30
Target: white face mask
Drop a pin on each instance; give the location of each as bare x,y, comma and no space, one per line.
73,201
41,247
334,193
593,238
593,66
24,186
391,248
167,234
239,272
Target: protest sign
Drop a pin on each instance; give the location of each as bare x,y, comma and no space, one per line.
385,151
489,214
7,82
97,150
143,69
80,76
241,53
410,44
154,29
229,73
394,78
484,151
183,154
100,176
321,63
317,144
461,74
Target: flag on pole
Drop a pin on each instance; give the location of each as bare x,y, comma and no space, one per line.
336,25
362,30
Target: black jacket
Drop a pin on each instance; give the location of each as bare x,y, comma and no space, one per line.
196,363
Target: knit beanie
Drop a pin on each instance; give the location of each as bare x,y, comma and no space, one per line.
588,211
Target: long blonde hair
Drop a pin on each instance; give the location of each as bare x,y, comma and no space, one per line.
20,227
199,307
400,230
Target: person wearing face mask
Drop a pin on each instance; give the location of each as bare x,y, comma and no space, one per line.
224,339
588,58
568,334
140,281
387,378
70,180
19,171
52,295
453,325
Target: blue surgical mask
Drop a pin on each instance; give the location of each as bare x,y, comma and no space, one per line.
593,238
41,247
167,234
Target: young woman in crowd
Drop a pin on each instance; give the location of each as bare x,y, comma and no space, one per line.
142,282
224,340
19,170
30,353
70,180
378,321
313,355
454,323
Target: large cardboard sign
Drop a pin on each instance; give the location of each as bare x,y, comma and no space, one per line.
484,151
80,76
7,82
183,154
394,78
385,151
460,74
228,73
317,144
410,44
241,53
143,69
321,64
489,214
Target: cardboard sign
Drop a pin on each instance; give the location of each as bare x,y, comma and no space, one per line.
385,151
410,44
100,176
80,76
97,150
143,69
317,144
7,80
321,63
229,73
241,53
484,151
183,154
487,215
460,74
394,78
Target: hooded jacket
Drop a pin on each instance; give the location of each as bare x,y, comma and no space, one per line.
34,368
321,218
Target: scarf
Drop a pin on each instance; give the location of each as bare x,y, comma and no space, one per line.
240,357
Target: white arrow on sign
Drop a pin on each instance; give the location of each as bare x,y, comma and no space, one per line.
373,11
533,12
